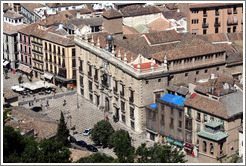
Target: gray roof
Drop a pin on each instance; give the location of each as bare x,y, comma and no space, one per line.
96,21
233,103
216,136
183,90
213,123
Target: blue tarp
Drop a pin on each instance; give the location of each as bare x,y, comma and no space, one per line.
174,99
154,105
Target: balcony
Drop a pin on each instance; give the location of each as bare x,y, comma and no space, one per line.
96,78
80,69
115,90
171,125
89,74
229,11
217,24
205,14
35,59
132,117
217,13
235,12
204,25
235,22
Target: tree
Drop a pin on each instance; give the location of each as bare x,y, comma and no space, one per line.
97,158
116,134
13,145
160,154
123,148
62,132
101,132
52,152
6,115
20,79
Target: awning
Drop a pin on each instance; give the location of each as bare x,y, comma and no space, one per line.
5,63
24,68
48,75
151,131
61,79
174,141
188,146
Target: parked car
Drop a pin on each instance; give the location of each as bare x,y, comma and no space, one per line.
87,131
91,148
37,109
81,143
72,139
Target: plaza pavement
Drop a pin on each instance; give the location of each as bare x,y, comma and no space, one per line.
83,117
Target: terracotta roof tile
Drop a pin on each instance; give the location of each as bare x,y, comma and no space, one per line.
138,10
12,14
173,15
129,30
219,37
159,24
31,6
112,13
12,29
55,5
162,37
145,65
53,19
235,36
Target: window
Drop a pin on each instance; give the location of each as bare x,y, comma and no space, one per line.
74,63
122,90
73,52
54,48
122,106
55,70
198,116
205,117
180,134
53,10
89,70
180,114
81,65
59,9
81,80
204,12
159,80
123,118
221,148
171,121
90,85
131,112
234,29
132,125
115,86
217,68
91,97
74,73
162,117
51,68
180,124
162,107
96,75
212,118
147,82
131,99
198,127
204,31
59,51
216,30
234,10
229,30
157,96
197,72
152,136
211,148
63,51
205,71
50,49
189,112
186,74
204,146
171,111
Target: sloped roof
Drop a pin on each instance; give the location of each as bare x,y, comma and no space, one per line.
216,136
213,123
159,24
162,37
138,10
55,5
112,13
235,36
173,15
174,99
217,37
12,29
72,23
12,14
129,30
31,6
54,19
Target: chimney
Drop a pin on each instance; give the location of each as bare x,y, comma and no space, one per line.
212,76
78,14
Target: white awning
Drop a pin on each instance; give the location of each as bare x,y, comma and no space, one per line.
5,63
48,75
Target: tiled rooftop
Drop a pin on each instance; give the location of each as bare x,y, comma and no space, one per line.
31,6
112,13
12,29
12,14
159,24
213,123
216,137
138,10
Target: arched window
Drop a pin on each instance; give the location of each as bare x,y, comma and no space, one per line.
211,148
204,146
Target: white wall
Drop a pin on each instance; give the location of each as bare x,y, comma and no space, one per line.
144,19
241,144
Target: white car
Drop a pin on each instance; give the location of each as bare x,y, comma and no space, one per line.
87,131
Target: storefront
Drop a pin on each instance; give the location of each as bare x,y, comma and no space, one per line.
189,148
68,83
24,69
48,77
175,142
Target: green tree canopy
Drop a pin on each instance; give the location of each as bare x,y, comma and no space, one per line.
97,158
62,132
13,145
101,132
121,141
160,153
